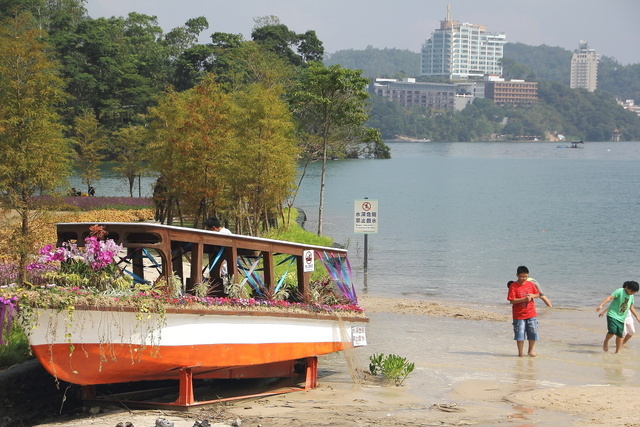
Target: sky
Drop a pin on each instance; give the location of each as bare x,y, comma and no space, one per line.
611,27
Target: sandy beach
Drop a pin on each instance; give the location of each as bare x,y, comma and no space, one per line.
467,373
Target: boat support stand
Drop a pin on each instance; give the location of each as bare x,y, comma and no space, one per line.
186,396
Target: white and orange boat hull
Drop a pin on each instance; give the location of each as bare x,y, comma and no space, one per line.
110,345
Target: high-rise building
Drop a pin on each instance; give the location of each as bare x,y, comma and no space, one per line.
459,51
584,68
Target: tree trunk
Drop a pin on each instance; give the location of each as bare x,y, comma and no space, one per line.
322,176
23,247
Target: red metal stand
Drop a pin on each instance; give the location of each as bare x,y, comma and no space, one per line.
186,396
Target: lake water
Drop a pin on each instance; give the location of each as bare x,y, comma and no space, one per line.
456,219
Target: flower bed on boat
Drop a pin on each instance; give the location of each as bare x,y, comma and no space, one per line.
16,300
62,298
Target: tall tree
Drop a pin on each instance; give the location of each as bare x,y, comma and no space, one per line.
35,154
331,107
262,169
190,135
129,148
89,143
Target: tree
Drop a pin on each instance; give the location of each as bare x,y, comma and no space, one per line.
89,142
262,169
190,135
331,107
129,148
297,49
115,67
35,154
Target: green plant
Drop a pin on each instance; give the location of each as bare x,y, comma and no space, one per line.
201,289
174,286
392,366
238,290
16,349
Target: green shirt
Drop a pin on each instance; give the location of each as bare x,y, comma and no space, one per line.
620,305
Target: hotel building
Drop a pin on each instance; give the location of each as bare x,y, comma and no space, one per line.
584,68
459,51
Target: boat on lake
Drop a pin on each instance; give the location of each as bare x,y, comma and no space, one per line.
200,338
573,144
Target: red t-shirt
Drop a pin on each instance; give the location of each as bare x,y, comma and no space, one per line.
522,310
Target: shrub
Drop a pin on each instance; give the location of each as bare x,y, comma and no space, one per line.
393,367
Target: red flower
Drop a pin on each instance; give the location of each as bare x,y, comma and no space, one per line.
98,231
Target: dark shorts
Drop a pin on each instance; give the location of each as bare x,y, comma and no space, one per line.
615,327
525,327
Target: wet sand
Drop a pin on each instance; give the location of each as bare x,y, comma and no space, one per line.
467,373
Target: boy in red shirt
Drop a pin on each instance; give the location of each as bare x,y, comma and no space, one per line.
521,295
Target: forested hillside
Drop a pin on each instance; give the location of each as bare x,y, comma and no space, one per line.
384,63
577,113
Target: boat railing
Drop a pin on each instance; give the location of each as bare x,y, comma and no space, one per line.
155,251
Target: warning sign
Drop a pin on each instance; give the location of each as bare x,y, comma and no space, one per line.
365,216
309,265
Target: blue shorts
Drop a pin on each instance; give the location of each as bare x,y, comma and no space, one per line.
528,327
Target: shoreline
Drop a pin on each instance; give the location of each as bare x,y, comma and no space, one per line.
456,381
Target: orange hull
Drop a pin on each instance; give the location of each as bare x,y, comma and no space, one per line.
114,363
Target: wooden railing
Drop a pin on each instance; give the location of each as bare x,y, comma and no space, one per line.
183,251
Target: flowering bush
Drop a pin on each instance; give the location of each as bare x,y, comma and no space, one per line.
52,296
69,265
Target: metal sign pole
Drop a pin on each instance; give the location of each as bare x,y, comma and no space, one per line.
366,251
366,222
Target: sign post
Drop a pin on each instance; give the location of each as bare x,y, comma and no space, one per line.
366,222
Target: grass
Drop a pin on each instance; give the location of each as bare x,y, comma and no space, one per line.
17,350
295,233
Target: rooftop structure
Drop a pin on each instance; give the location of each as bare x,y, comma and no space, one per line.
462,50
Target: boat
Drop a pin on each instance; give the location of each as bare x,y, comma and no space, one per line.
573,144
105,344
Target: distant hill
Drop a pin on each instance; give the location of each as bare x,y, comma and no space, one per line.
387,63
575,113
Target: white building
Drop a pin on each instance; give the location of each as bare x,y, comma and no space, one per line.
459,51
409,93
584,68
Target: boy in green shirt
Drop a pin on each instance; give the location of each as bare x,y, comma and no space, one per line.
621,302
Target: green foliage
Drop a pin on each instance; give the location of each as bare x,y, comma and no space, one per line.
129,147
89,142
374,62
17,349
296,49
34,153
537,63
331,107
226,154
292,232
392,367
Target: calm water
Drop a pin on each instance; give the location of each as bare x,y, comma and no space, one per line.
456,219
